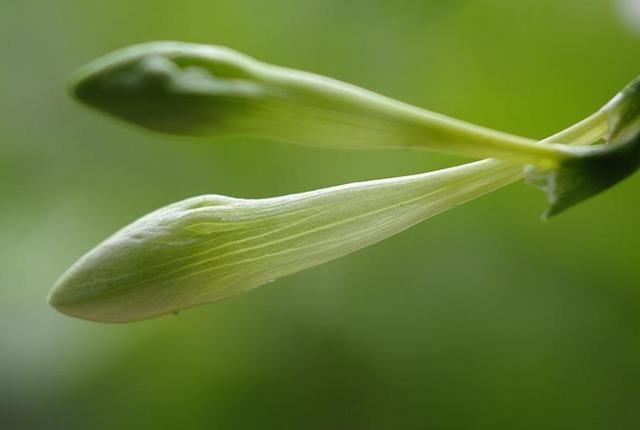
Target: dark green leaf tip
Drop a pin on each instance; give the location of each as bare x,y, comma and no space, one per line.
599,167
577,179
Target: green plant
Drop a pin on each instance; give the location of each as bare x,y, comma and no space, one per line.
211,247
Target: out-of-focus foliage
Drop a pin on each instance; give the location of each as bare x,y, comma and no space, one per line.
537,328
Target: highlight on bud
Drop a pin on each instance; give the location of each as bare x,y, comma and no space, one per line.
209,248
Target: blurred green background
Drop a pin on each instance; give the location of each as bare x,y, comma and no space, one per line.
481,318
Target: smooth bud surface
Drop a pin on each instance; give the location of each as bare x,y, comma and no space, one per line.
209,248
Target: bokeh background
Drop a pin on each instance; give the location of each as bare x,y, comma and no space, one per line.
481,318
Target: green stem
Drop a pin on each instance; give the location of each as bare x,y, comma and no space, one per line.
318,111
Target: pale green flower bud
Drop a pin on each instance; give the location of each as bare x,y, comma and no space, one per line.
209,248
